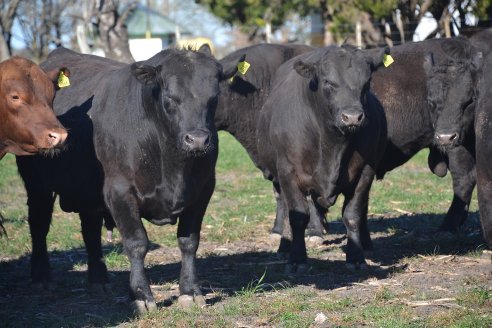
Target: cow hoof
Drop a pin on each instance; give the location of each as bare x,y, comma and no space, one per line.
296,270
303,269
185,301
142,307
445,235
356,266
313,241
282,256
42,286
200,301
100,289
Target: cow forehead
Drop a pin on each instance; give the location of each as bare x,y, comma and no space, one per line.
342,65
23,75
184,62
191,76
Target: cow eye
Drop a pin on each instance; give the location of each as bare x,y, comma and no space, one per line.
169,100
329,84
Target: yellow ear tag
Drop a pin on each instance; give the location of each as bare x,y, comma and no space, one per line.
387,60
243,67
63,80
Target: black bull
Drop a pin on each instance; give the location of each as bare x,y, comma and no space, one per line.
321,133
464,81
143,142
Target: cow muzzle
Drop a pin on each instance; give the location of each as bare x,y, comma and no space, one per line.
446,140
351,120
197,141
56,137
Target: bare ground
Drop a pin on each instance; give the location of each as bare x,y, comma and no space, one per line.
430,275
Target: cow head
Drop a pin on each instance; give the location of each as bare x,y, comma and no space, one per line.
27,122
180,90
339,83
451,91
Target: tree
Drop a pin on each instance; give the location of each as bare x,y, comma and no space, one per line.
43,23
100,24
111,28
8,12
252,16
341,18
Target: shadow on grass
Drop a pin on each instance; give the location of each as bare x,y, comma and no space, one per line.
69,303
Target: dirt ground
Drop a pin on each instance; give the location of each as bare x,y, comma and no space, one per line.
410,265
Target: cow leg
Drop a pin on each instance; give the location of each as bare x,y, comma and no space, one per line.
484,193
40,202
462,168
317,220
281,212
355,219
484,176
316,226
91,232
124,209
189,226
298,219
40,205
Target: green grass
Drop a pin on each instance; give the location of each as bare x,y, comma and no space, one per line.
241,213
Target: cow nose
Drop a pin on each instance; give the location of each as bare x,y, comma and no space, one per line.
56,137
352,117
197,140
446,139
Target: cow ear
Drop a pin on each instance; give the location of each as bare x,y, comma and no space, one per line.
146,74
230,66
376,57
54,74
428,62
205,49
306,70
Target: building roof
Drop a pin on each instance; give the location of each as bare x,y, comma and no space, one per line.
144,19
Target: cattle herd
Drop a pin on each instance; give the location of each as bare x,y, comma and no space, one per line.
318,122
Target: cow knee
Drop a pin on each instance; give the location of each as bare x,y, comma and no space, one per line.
188,244
136,248
351,224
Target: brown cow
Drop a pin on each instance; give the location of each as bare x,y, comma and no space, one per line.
28,124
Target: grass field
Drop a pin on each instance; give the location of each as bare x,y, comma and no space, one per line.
414,278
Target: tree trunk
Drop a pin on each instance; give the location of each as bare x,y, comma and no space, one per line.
7,16
4,49
112,31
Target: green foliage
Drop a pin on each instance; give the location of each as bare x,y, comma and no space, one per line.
377,9
482,9
251,14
